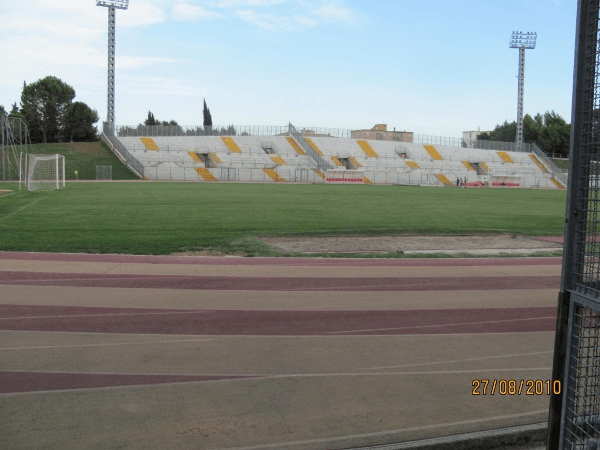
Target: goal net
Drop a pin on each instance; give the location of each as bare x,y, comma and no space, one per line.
45,172
103,172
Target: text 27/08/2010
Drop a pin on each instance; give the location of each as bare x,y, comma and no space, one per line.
515,387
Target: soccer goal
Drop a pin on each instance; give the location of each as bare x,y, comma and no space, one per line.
103,172
45,172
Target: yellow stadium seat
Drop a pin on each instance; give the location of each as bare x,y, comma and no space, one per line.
366,147
433,152
205,173
231,144
295,145
314,146
149,143
274,175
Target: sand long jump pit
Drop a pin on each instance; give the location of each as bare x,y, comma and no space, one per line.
418,244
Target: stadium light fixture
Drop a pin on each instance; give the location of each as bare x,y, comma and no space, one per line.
522,41
519,39
112,6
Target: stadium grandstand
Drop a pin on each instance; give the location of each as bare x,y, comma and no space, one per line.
284,154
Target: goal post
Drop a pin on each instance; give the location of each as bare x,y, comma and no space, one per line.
45,172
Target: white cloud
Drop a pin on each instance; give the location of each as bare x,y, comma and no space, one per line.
293,16
333,12
266,21
185,11
305,21
243,3
140,13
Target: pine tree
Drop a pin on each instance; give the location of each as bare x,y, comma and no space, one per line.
43,104
150,121
207,118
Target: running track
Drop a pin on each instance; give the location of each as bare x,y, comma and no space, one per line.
87,323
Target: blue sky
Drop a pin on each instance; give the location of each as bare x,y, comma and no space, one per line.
435,67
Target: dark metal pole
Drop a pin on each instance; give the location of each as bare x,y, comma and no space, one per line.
574,220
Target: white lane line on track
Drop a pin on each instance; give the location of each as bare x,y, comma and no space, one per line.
440,325
458,360
343,288
107,314
242,377
121,277
440,301
383,433
367,374
286,375
360,288
105,345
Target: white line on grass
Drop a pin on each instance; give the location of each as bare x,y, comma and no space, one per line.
22,208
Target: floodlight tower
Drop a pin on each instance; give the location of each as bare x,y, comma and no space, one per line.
521,41
112,5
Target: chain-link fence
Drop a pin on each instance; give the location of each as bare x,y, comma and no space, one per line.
582,418
437,140
177,130
574,420
503,146
263,130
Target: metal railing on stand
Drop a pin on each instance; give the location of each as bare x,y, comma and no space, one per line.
122,153
323,164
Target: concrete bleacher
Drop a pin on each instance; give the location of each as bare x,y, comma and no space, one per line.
278,159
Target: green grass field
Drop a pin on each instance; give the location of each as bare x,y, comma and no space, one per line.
162,218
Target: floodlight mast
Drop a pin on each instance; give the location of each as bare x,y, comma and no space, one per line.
521,41
112,5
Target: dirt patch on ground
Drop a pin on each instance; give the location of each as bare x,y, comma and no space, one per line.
89,148
5,191
505,243
208,253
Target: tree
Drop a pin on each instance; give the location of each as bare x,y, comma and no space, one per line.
15,112
556,134
532,127
507,132
485,136
207,117
549,132
151,121
79,123
43,105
